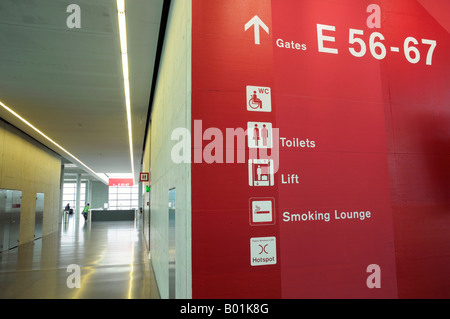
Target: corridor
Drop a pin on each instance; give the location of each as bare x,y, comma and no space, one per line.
112,259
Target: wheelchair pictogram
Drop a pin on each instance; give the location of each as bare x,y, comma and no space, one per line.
255,102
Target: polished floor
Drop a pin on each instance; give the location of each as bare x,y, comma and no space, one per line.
111,257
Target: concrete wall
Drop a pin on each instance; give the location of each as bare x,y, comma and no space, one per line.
30,167
144,194
171,109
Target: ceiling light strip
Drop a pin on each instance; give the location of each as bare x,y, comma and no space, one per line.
126,82
49,139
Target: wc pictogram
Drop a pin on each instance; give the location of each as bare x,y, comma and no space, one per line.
259,99
259,135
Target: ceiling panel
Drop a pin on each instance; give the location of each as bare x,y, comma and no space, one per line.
68,82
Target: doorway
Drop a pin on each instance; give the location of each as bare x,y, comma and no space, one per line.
172,246
39,215
10,206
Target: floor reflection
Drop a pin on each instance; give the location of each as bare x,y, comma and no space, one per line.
112,258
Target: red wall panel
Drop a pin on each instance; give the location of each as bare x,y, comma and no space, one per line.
375,132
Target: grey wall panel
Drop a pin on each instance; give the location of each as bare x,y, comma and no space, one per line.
10,206
4,220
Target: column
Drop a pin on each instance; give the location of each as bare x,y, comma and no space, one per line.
78,197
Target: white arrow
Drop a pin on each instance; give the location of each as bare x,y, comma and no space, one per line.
257,22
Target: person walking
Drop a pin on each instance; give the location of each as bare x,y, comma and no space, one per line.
85,211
